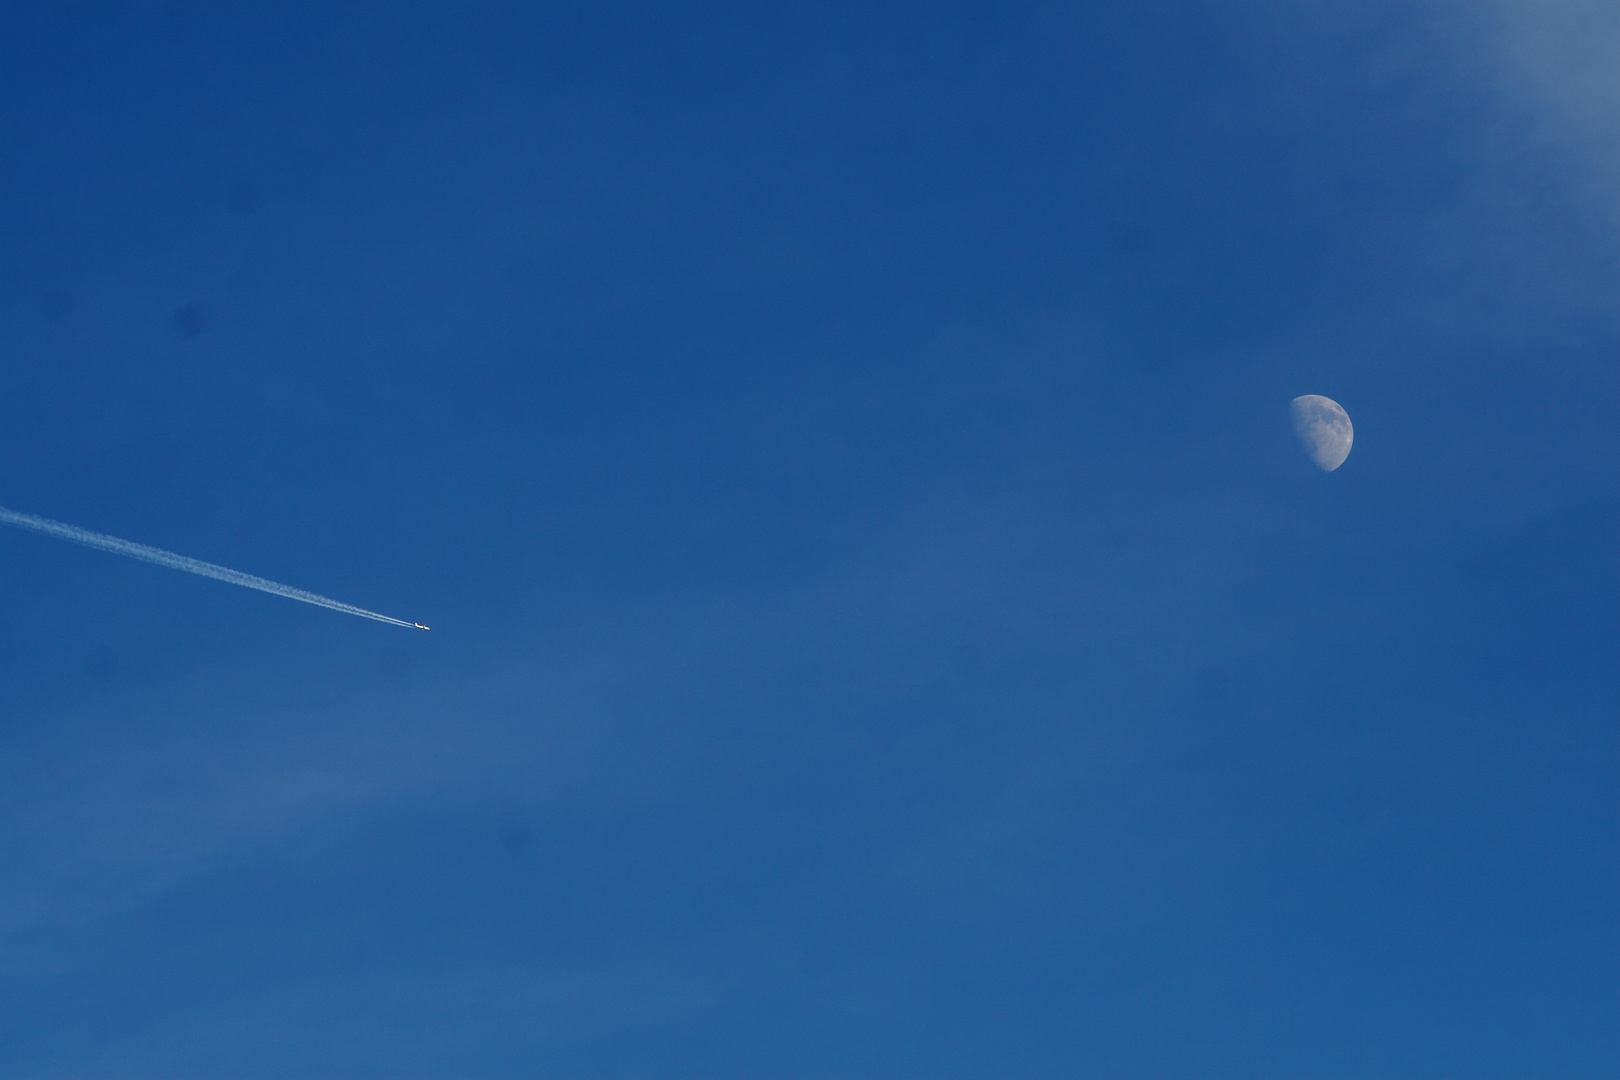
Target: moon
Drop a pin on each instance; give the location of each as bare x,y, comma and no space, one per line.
1323,428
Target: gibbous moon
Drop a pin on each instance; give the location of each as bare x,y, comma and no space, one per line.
1323,428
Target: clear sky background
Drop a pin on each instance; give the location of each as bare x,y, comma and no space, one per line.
883,625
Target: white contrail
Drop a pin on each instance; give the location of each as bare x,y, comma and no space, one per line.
181,562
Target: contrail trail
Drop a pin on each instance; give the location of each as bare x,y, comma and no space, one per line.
182,562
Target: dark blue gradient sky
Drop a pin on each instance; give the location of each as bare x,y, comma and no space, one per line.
882,623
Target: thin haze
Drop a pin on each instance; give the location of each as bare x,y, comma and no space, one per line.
145,553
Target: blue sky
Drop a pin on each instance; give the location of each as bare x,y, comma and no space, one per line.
883,625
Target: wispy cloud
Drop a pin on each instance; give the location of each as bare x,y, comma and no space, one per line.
1556,62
